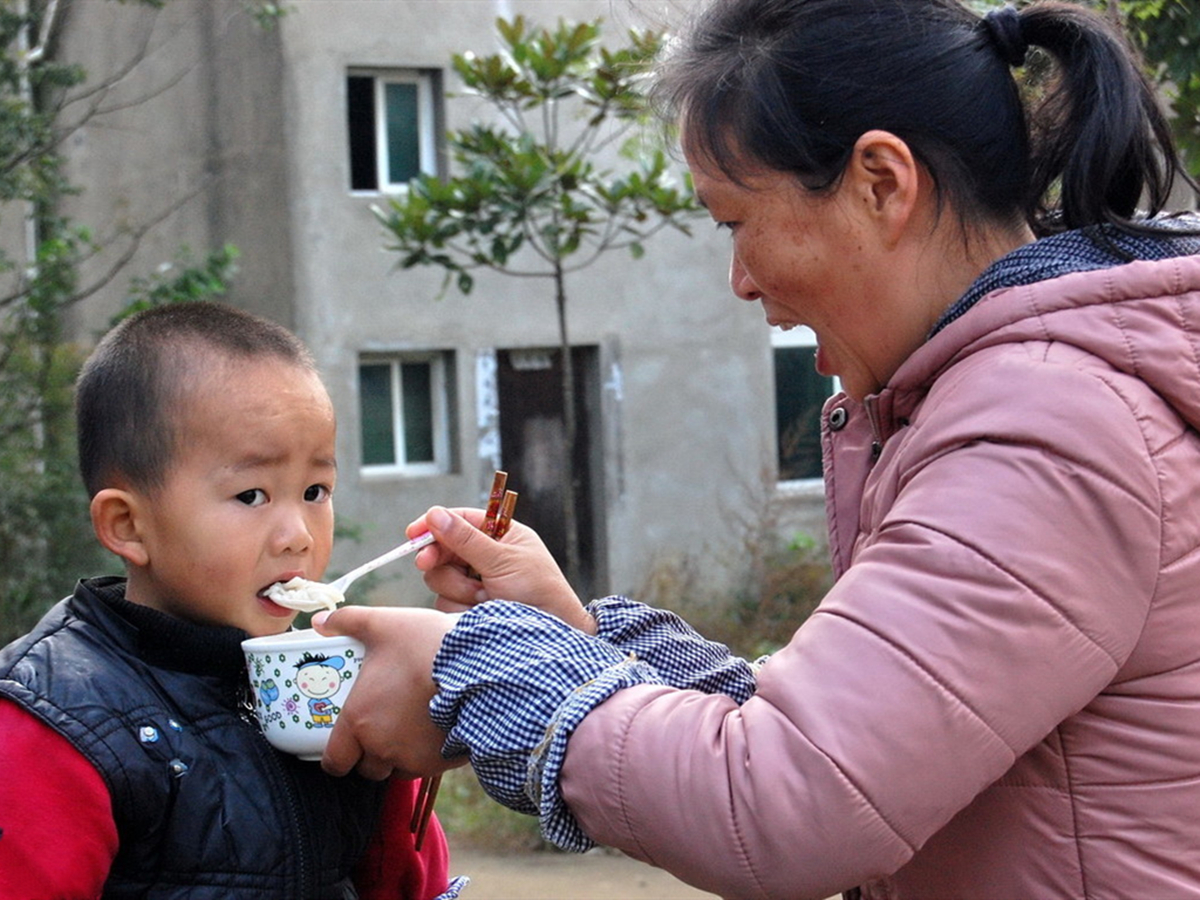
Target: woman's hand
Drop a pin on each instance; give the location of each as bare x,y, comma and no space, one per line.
517,567
384,726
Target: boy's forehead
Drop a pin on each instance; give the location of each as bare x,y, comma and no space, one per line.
249,378
239,400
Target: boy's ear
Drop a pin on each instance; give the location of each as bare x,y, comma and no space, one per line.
116,521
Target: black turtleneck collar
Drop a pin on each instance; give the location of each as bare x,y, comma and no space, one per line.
167,641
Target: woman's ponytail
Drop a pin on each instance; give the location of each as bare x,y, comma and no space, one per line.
1098,134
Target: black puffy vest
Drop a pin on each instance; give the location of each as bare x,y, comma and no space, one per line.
204,806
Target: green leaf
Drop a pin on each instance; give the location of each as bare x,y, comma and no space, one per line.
534,177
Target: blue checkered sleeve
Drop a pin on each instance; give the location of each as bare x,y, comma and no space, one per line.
681,656
515,682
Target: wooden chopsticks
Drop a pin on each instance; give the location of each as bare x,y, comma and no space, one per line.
504,519
496,522
423,808
495,499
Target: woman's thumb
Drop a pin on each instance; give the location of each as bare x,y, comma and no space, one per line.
459,536
348,620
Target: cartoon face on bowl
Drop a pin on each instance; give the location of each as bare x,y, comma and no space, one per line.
298,681
318,678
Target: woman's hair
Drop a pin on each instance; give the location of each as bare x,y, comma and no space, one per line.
791,85
129,394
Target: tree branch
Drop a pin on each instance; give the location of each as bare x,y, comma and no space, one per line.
49,19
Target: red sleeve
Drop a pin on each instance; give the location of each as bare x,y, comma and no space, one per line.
57,833
392,868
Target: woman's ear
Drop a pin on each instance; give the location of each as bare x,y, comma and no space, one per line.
887,180
116,520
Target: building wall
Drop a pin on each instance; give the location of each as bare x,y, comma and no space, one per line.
238,135
182,125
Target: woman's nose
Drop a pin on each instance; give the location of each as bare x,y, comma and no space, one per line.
740,281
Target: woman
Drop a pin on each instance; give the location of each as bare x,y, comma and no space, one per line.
1000,695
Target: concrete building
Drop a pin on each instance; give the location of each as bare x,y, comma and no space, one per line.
212,130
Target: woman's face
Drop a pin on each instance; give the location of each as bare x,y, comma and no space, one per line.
816,261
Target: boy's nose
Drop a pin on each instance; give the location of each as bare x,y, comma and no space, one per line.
294,534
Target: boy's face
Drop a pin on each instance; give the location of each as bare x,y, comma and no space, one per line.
247,499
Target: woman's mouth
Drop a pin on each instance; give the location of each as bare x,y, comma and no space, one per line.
777,321
821,358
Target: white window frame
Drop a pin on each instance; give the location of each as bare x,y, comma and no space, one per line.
427,119
801,336
440,425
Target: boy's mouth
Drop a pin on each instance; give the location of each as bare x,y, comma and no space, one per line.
271,607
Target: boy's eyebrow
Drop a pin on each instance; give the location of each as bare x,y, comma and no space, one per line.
262,460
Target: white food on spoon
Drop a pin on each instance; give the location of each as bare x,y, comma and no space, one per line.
310,596
304,595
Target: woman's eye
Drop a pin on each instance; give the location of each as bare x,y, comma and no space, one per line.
316,492
724,226
253,497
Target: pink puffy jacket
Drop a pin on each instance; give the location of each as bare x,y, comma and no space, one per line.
1000,696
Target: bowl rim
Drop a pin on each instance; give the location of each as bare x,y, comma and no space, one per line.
300,639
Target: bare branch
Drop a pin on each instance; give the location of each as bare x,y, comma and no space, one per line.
134,236
93,98
49,19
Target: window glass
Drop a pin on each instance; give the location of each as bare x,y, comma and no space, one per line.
403,137
800,393
360,108
406,401
392,117
416,383
378,424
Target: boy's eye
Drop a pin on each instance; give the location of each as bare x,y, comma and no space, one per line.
316,492
253,497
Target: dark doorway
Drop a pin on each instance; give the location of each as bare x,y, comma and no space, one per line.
529,385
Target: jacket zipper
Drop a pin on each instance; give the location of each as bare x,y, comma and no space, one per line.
303,876
871,406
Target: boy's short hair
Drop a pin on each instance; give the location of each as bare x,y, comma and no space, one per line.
129,391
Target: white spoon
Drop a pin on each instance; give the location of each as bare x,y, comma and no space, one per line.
310,596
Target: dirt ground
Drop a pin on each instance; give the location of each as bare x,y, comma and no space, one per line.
597,875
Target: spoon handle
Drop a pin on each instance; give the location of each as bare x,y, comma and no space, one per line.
412,546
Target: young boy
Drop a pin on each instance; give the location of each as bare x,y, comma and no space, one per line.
131,761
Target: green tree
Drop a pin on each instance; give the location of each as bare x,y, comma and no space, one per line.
1168,33
533,197
45,534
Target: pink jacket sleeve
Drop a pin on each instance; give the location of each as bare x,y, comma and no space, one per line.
992,595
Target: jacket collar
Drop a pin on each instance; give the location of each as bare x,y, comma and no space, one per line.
160,639
1140,317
